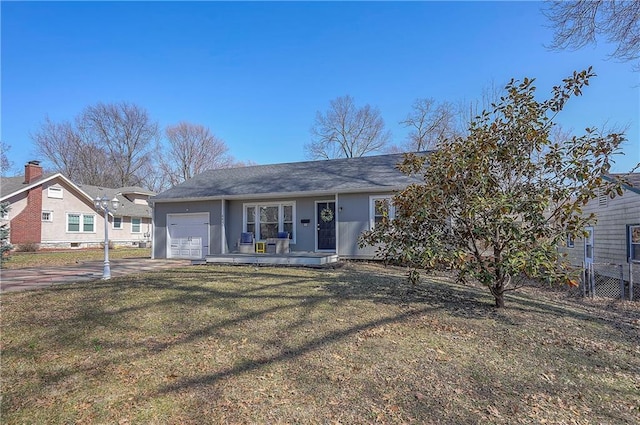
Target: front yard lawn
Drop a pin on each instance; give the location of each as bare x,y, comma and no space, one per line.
49,258
218,344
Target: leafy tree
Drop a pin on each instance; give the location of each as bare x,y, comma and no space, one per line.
347,131
192,149
106,145
578,23
496,204
5,246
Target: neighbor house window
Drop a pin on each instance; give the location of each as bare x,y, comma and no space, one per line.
634,242
136,225
570,242
47,216
117,222
268,219
81,223
54,192
381,207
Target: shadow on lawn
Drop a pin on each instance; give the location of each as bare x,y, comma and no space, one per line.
243,295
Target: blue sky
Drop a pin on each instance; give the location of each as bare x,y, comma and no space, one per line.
256,73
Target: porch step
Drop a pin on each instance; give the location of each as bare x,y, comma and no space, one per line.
292,259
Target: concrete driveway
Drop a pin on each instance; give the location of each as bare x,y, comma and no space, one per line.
42,277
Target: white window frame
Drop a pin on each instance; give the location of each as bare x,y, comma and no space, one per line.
633,246
280,205
140,225
55,192
372,209
113,224
49,219
81,223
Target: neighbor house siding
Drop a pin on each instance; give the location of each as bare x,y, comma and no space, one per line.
609,231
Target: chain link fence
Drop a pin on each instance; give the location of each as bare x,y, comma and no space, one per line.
612,280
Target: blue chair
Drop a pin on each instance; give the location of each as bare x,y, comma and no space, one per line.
247,243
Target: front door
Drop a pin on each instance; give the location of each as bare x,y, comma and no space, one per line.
326,226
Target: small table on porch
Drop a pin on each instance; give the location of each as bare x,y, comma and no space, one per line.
261,247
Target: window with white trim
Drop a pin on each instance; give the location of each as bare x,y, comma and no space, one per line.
379,208
117,222
80,223
266,220
633,242
136,225
47,216
54,192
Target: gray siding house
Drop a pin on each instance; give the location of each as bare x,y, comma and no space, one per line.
615,236
323,206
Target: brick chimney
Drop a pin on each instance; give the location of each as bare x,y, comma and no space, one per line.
32,171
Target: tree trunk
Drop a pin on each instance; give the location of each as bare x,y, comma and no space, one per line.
498,294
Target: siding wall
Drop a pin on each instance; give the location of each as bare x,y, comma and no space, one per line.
161,210
352,220
609,231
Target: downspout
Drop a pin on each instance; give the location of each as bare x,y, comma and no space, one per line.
223,227
153,230
337,225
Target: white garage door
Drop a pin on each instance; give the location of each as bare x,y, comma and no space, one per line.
188,235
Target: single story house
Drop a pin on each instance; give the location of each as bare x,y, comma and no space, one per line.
615,236
50,210
323,206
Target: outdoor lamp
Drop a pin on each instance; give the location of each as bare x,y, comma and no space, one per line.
103,204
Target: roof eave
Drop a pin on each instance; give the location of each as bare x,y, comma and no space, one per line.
273,195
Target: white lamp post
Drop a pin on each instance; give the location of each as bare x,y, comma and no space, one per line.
103,204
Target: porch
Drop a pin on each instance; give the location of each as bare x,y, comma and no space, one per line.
297,258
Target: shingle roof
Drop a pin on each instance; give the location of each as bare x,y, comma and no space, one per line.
9,185
370,173
127,208
633,178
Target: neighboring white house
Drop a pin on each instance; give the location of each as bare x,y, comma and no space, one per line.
615,236
53,212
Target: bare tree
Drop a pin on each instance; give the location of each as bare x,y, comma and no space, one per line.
126,133
5,164
429,123
347,131
578,23
107,145
192,149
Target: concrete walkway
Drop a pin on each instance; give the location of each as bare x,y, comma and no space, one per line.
42,277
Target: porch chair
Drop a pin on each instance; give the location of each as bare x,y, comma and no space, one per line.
279,245
246,243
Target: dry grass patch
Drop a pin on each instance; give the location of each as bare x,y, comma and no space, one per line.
282,345
48,258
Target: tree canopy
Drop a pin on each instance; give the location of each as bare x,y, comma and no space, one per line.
496,204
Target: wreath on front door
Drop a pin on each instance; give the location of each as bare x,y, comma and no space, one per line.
326,215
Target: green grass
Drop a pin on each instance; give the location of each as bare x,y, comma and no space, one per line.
205,344
44,258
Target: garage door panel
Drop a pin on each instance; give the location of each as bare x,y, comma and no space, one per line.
188,235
